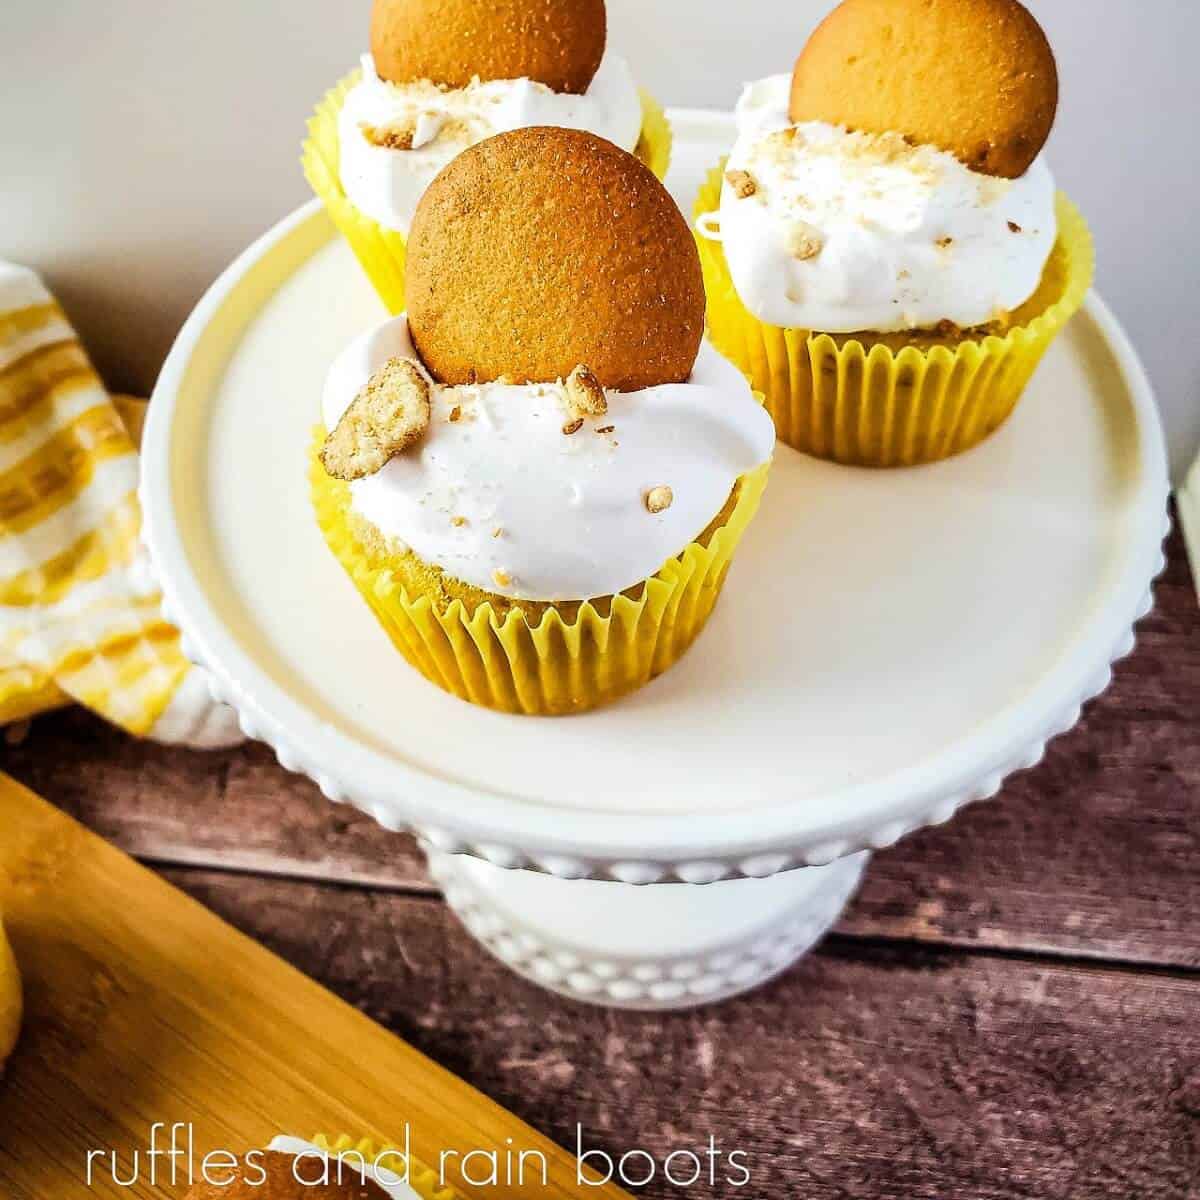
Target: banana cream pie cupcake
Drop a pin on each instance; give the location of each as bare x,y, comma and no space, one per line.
884,251
538,475
442,75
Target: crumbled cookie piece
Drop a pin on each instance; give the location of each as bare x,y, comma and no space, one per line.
497,531
659,498
389,137
501,578
458,522
585,395
944,243
389,414
455,414
804,242
605,428
454,130
573,426
1013,227
742,182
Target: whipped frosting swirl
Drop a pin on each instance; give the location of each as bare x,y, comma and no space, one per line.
308,1170
387,183
498,496
844,231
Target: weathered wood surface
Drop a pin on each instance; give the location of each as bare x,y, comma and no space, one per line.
867,1073
1095,852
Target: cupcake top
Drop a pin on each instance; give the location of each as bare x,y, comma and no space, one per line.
874,217
596,438
445,74
293,1169
516,489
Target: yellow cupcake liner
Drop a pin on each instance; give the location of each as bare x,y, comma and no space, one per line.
569,661
874,400
422,1179
654,145
382,252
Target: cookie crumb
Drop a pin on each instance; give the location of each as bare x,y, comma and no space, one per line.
585,395
605,428
497,531
804,242
659,498
501,578
742,182
457,522
389,137
573,426
944,243
390,413
1014,227
455,413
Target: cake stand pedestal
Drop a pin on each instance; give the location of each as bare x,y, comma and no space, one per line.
666,945
890,645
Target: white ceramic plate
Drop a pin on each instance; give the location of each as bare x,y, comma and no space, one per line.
889,645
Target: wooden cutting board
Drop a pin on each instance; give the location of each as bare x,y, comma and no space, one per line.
142,1006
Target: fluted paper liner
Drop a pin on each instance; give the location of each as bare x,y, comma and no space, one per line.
892,399
586,655
381,251
422,1179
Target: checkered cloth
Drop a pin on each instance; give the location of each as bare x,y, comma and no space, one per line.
79,609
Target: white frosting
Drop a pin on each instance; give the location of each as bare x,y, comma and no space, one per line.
386,184
880,211
571,508
385,1177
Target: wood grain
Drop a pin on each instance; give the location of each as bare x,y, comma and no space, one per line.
141,1006
867,1073
1094,852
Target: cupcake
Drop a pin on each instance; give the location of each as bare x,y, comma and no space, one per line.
537,476
291,1168
884,252
445,74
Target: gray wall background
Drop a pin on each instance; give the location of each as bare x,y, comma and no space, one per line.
145,143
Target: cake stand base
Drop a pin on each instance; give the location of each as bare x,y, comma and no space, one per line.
660,946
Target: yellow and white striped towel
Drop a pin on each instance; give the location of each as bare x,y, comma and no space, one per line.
79,609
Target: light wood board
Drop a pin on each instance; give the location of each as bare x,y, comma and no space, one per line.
142,1006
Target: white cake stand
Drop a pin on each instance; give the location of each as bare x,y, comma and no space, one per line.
890,646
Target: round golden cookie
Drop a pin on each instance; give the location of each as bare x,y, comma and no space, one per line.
974,77
542,250
556,42
272,1176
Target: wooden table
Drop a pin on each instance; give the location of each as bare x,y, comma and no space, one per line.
1010,1008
